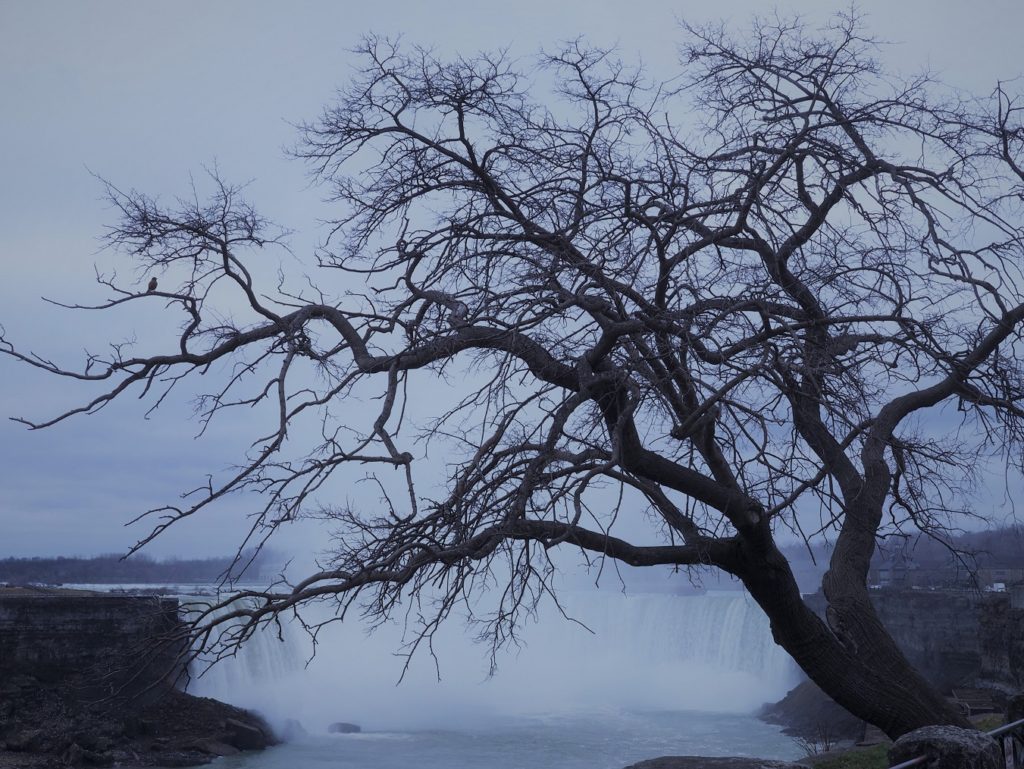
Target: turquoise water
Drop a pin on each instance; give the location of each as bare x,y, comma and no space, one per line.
598,740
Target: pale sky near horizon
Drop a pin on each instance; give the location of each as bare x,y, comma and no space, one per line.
145,93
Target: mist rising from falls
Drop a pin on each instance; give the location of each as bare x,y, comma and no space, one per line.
710,652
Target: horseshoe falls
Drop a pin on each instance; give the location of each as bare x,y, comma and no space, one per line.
644,674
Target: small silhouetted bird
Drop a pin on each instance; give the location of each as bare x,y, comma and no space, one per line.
152,286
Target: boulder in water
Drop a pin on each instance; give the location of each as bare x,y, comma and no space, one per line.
342,727
246,736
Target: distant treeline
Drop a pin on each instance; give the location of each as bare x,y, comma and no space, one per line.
1002,546
990,548
112,569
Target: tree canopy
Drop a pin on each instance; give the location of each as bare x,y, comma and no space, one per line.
726,301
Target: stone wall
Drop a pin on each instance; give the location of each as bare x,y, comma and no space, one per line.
1001,641
939,631
112,641
954,637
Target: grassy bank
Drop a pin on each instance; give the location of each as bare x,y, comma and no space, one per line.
875,756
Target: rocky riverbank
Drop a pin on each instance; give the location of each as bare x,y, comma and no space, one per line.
88,680
53,725
809,714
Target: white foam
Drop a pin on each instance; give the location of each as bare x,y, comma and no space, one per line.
710,652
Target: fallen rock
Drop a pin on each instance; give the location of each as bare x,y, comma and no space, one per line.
724,762
342,727
246,736
950,747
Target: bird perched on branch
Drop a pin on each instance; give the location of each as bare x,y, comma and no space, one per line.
152,286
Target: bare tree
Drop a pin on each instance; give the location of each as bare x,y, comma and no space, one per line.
822,740
727,301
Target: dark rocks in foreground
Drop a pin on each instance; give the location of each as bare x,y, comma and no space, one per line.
88,680
699,762
810,714
166,728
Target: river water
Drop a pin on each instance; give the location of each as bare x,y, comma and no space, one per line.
596,740
651,674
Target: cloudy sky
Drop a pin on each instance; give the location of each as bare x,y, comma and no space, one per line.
145,93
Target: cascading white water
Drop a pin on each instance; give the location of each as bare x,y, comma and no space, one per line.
710,652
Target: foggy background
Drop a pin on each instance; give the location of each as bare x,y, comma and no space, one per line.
145,94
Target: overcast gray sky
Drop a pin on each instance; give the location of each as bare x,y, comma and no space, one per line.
143,93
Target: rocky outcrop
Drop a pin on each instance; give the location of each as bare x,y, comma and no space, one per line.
87,680
807,712
167,728
109,643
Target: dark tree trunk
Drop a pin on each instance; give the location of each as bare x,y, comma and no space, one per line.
852,658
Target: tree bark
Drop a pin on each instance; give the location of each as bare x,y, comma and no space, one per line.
852,658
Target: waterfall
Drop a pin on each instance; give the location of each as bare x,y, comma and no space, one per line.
648,651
